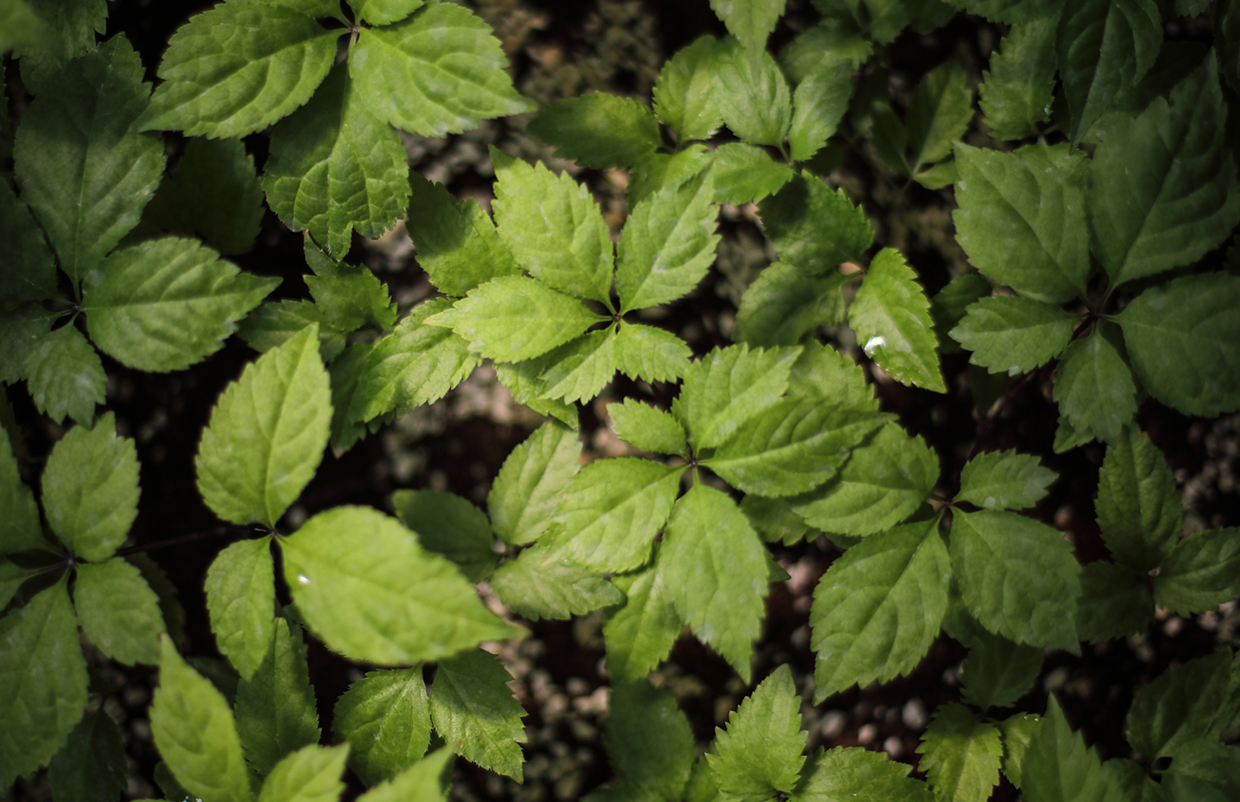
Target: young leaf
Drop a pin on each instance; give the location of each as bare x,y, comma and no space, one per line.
649,740
655,355
648,428
1058,766
750,21
527,489
92,766
1138,502
348,296
90,489
891,316
879,607
472,705
1200,573
449,525
214,193
814,228
751,93
82,167
1184,342
65,375
118,611
819,103
938,113
729,386
714,568
1021,218
1004,480
241,600
42,681
195,732
744,173
960,755
437,72
581,368
386,718
1115,602
267,433
1013,334
422,782
640,634
276,709
1095,388
1017,91
761,752
1184,703
29,274
848,773
168,303
784,304
20,528
684,92
598,130
541,583
311,774
392,602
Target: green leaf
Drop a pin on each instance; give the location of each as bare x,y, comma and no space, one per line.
65,375
640,635
997,671
1021,218
449,525
1182,704
241,600
266,434
655,355
1018,89
655,171
42,681
1105,48
20,528
214,193
611,511
1017,731
422,782
311,774
1018,577
890,137
237,68
845,774
1095,388
1004,480
949,306
118,610
878,608
648,428
883,482
523,382
21,331
168,303
598,130
939,113
581,368
1182,338
744,173
891,316
82,167
91,767
90,489
23,28
1200,573
761,751
728,387
386,718
1115,602
276,709
471,704
819,102
348,296
814,228
541,583
1008,333
335,167
385,12
1163,189
345,373
822,372
525,493
784,304
28,273
960,755
649,740
390,603
1058,768
195,732
555,229
437,72
1138,502
684,94
832,39
775,520
668,244
171,610
714,569
274,322
750,21
1207,771
1010,11
751,93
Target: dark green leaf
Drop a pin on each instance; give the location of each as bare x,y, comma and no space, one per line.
1095,388
833,39
1184,703
241,600
751,93
386,719
891,316
960,755
214,193
684,92
28,272
641,634
65,375
21,330
855,774
1018,89
424,781
649,740
814,228
449,525
1207,771
819,102
91,767
997,671
598,130
938,113
1058,768
541,583
1138,502
1010,11
1004,480
648,428
775,520
348,296
1200,573
274,322
949,306
20,528
276,709
69,28
784,304
1115,602
472,705
1008,333
118,611
345,373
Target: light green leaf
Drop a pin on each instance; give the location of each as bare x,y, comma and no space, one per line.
214,193
274,322
744,173
1200,573
855,774
883,482
655,171
241,600
1017,731
471,704
118,610
644,352
311,774
581,368
814,228
90,489
1115,602
612,510
1008,333
42,681
878,608
1184,703
1018,89
1018,577
195,732
760,754
348,296
668,244
891,316
65,375
92,766
939,176
819,102
422,782
28,272
822,372
386,718
1163,189
236,69
714,568
640,635
1095,388
751,93
1205,772
1138,502
997,671
784,304
938,113
523,382
526,491
649,740
598,130
728,387
276,709
385,12
648,428
1058,768
684,92
1183,338
392,602
960,755
266,434
750,21
775,520
1021,218
437,72
541,583
20,528
82,167
335,167
1004,480
168,303
449,525
555,229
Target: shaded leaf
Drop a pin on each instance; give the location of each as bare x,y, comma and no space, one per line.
845,774
1017,91
1057,766
784,304
241,601
819,102
1094,387
598,130
214,193
1138,502
1200,573
386,718
1115,602
20,527
814,228
541,583
348,296
118,611
744,173
449,525
1182,704
276,709
472,705
649,740
1013,334
28,272
939,113
91,767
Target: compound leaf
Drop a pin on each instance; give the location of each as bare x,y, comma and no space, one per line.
581,368
1013,334
65,375
598,130
118,611
751,93
744,173
762,750
784,304
891,316
276,709
214,193
241,601
1004,480
472,705
938,113
1184,703
541,583
649,740
527,489
386,718
1059,768
855,774
640,634
1017,91
684,97
648,428
814,228
1200,572
960,755
1138,503
311,774
644,352
1095,388
348,296
729,386
449,525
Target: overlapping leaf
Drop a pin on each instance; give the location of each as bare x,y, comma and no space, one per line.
761,752
891,316
213,193
385,717
118,611
938,113
684,92
311,774
1058,766
276,709
1095,388
744,173
472,705
728,387
856,773
29,274
348,296
1200,572
241,601
644,352
1014,334
598,130
1138,502
20,528
649,740
527,489
541,583
960,755
814,228
1017,90
449,525
784,304
65,375
751,93
1004,480
648,428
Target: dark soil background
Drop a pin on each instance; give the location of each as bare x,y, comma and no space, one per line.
560,49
